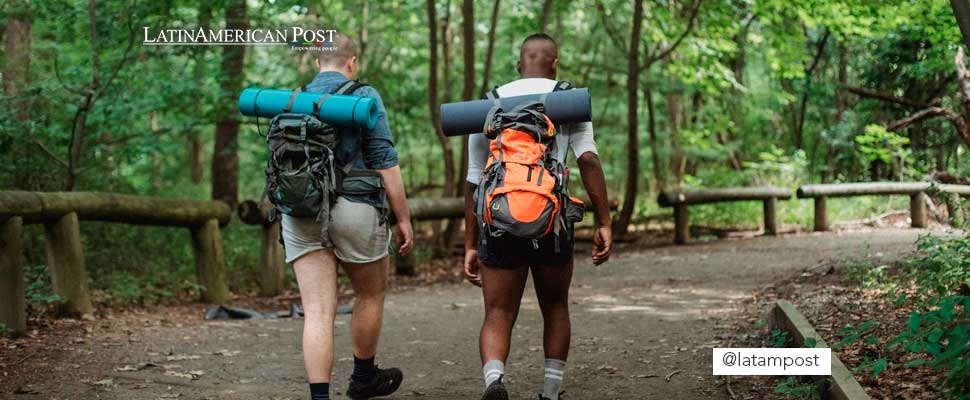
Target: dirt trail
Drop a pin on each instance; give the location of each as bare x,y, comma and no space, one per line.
646,314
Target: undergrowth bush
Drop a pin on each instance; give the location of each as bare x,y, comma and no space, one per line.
935,284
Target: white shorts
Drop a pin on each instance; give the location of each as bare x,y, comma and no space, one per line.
359,233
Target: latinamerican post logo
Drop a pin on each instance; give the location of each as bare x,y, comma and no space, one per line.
296,37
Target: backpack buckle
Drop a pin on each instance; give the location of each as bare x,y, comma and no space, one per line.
494,127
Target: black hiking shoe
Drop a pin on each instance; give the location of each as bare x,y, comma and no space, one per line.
541,397
496,391
384,383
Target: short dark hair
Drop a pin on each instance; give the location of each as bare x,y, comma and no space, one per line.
539,49
341,48
540,36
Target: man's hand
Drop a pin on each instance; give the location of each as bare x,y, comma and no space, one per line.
405,237
471,267
602,244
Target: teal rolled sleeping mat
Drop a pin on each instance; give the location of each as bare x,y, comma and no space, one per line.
337,109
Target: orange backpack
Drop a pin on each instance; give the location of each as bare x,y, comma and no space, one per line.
522,191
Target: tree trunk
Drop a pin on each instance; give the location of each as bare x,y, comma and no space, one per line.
362,35
840,106
225,154
803,104
633,147
447,153
195,147
491,48
658,177
961,10
544,17
446,38
16,50
81,115
675,118
468,83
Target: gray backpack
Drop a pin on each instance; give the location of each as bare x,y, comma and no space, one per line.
301,177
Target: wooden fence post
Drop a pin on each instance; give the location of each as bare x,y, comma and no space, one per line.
271,260
681,224
210,265
13,309
917,210
771,223
821,219
65,262
954,209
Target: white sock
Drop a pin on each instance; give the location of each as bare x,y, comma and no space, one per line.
555,370
493,370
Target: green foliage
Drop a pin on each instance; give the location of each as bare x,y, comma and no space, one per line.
779,338
879,144
863,271
872,366
938,329
795,388
851,334
942,266
777,167
942,334
4,330
37,286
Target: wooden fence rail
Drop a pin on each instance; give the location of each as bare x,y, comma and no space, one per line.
680,200
60,213
915,190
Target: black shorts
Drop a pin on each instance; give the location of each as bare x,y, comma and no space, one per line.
507,251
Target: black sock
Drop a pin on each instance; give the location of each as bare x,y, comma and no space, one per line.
319,391
364,370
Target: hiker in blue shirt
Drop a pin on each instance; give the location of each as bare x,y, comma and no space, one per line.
359,234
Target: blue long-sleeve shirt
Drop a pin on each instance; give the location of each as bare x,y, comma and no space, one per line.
376,147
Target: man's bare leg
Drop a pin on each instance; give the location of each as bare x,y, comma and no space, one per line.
552,290
502,290
367,380
316,274
369,281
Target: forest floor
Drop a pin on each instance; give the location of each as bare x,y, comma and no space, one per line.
643,327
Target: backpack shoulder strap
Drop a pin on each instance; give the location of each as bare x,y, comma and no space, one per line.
289,104
349,87
562,85
491,94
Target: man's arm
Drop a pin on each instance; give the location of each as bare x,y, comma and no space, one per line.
477,155
379,154
471,236
595,182
471,222
394,186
